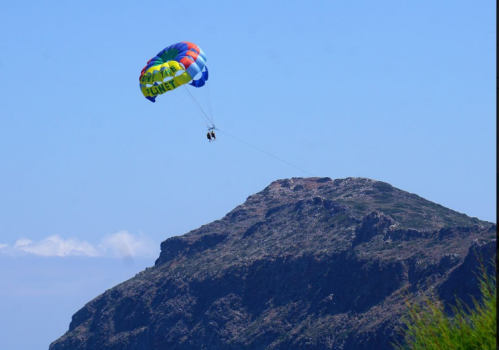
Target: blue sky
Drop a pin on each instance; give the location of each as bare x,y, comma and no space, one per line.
93,176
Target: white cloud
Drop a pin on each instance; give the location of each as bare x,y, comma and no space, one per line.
125,245
22,242
56,246
117,245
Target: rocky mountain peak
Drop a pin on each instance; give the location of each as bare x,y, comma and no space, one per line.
306,263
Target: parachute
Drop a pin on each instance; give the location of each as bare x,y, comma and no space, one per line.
173,67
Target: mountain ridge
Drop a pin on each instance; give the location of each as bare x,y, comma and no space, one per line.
306,263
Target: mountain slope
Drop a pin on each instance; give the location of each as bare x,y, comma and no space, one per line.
304,264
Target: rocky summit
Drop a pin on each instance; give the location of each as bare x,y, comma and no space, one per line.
307,263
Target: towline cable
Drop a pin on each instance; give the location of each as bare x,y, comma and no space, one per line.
267,153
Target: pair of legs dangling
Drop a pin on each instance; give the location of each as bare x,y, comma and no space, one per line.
211,136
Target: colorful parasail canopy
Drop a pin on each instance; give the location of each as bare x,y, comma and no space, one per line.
174,66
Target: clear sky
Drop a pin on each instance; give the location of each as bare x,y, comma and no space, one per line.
93,176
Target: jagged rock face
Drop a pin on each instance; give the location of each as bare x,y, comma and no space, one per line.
305,264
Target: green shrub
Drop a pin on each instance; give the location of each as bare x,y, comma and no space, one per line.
428,327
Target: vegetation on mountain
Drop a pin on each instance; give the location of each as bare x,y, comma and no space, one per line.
429,327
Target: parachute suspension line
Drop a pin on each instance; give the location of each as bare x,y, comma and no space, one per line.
267,153
199,107
196,106
208,99
201,96
208,123
172,102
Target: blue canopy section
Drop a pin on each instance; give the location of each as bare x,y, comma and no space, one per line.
201,81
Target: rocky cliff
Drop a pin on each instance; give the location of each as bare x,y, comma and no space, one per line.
307,263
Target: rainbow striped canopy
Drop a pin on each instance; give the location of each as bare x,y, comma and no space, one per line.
176,65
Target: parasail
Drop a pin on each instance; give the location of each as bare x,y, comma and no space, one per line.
176,65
